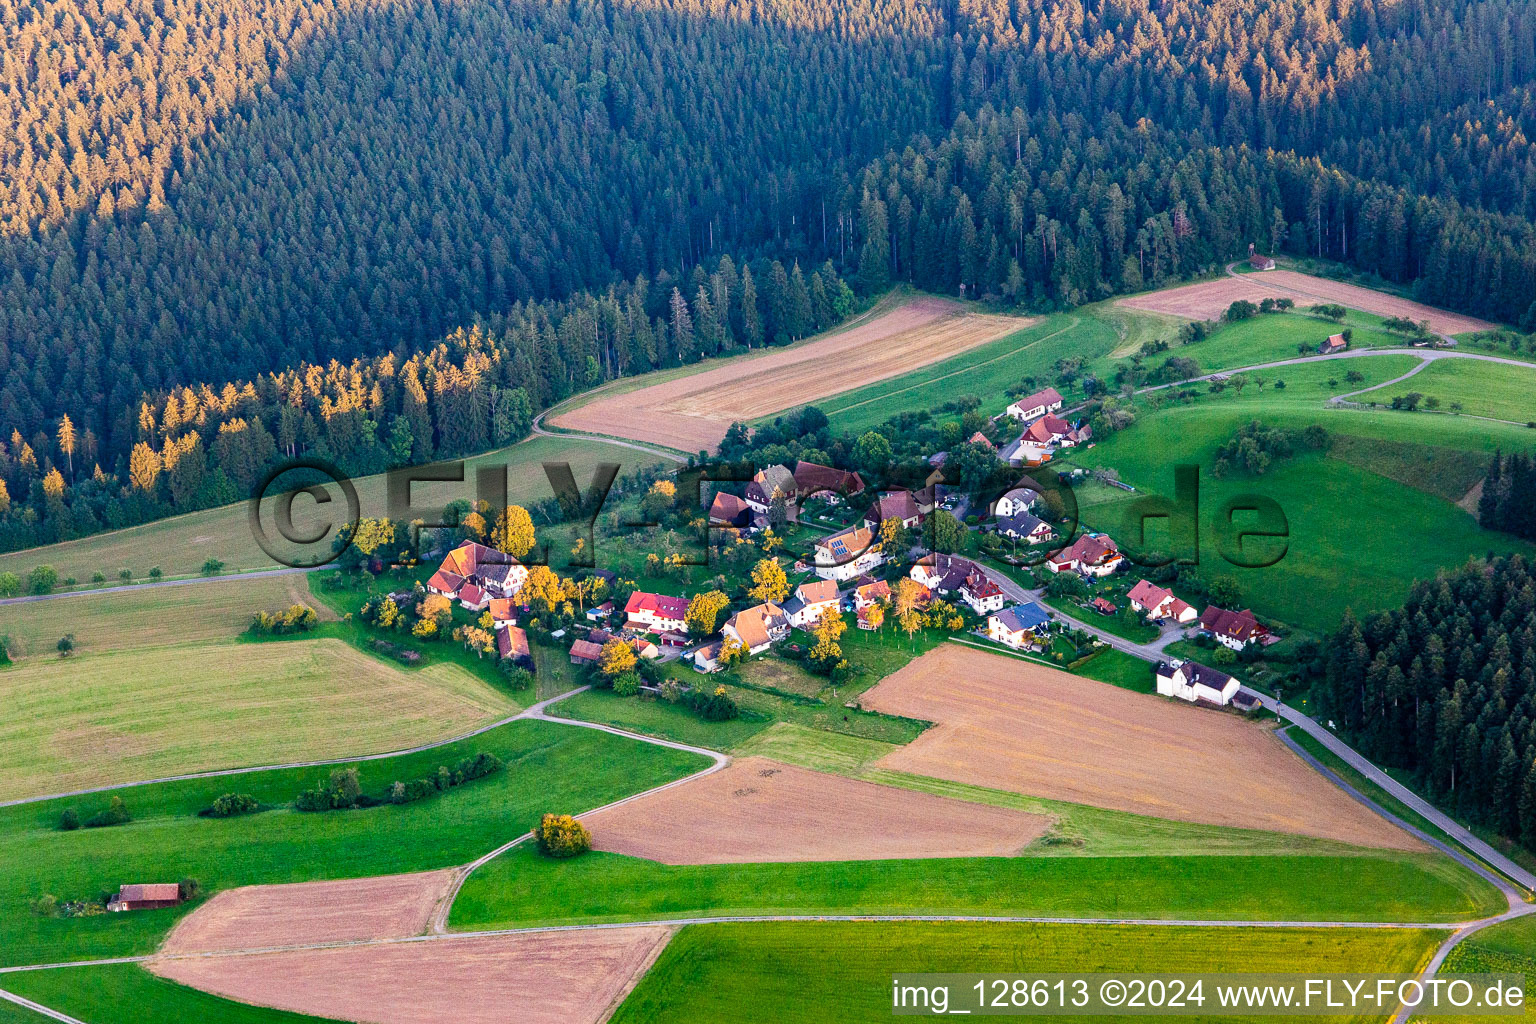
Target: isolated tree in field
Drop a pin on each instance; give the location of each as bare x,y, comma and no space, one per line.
560,835
617,657
910,622
769,583
704,610
66,645
514,532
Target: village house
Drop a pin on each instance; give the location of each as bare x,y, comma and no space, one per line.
473,574
512,642
982,593
758,627
1034,406
941,573
642,647
655,612
1159,603
847,553
898,505
810,600
983,440
1257,260
871,594
830,485
1021,627
727,510
1193,682
1025,527
599,612
707,658
146,896
1103,605
1092,554
503,612
767,484
1232,629
585,652
1334,343
1019,499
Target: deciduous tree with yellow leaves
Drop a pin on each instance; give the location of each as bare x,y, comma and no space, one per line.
616,658
768,581
703,614
514,532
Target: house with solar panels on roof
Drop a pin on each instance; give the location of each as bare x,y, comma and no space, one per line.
848,553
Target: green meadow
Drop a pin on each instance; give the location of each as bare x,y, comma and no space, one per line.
786,972
522,888
550,767
1352,530
1473,386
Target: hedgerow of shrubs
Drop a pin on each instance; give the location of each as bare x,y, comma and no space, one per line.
115,814
297,618
232,805
712,706
560,835
343,790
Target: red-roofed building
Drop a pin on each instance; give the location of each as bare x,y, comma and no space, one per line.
1232,629
1036,405
512,642
657,612
981,593
1092,554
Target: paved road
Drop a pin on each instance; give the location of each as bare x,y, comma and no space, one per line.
538,428
188,581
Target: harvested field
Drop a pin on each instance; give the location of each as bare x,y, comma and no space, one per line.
1209,299
758,810
268,916
1013,725
539,978
692,412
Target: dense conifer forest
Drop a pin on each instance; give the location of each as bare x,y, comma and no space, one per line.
389,231
1445,689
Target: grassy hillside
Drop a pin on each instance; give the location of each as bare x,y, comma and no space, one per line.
812,972
180,545
121,716
1357,537
1472,386
549,768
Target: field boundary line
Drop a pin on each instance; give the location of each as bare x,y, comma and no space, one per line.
38,1008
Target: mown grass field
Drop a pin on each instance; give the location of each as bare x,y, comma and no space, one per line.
179,545
128,994
821,971
1269,338
1357,537
215,609
1478,387
523,888
122,716
550,767
1507,948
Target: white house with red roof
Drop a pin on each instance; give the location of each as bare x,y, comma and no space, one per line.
1036,405
1092,554
810,601
981,593
473,574
848,553
1159,603
657,613
1233,629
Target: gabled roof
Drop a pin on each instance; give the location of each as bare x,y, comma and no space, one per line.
1194,672
775,477
980,438
1022,616
149,891
892,505
1023,523
876,591
501,608
980,586
846,545
1047,397
512,642
1022,495
447,582
811,477
817,591
498,572
657,604
471,594
1235,625
586,650
951,570
728,508
753,624
1148,594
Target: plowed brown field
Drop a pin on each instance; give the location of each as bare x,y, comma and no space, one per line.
1013,725
571,977
1209,299
757,810
692,412
267,916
